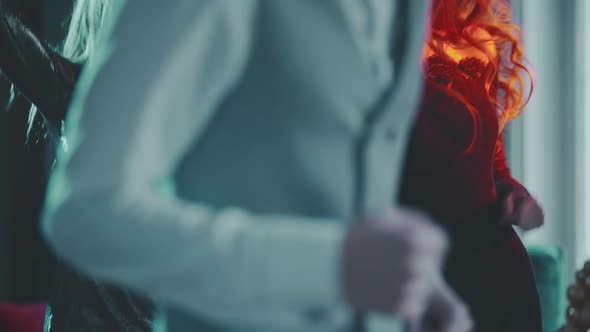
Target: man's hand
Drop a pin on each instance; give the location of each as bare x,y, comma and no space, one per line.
392,264
446,312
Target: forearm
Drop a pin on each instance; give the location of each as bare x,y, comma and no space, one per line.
508,184
197,258
505,182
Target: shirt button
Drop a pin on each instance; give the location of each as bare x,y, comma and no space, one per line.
391,134
317,316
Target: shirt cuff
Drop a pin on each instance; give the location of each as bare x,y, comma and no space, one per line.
303,264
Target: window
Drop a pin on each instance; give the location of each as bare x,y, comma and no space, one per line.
546,144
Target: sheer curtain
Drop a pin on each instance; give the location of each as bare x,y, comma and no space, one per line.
546,147
582,119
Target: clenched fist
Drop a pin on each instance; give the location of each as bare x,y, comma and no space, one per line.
392,264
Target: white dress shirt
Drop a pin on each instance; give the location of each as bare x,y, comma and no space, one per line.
253,107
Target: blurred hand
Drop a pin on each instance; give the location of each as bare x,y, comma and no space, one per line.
446,312
392,264
520,209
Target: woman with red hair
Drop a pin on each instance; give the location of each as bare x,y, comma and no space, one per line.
456,166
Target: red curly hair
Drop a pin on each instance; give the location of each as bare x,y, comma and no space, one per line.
476,24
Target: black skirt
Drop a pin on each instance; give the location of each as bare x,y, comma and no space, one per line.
490,269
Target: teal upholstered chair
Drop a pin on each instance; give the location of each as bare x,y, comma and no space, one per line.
549,266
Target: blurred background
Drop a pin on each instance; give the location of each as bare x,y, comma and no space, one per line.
549,148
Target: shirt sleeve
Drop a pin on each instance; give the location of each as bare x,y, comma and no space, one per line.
142,102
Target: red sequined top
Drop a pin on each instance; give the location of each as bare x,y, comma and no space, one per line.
440,177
